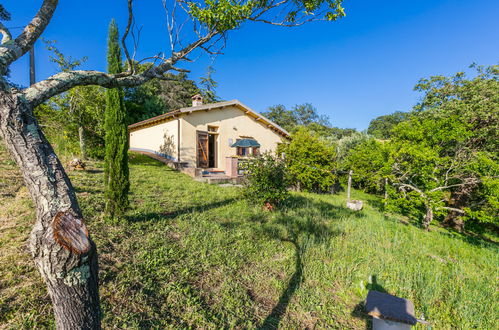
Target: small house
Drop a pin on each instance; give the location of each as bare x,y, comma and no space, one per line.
207,139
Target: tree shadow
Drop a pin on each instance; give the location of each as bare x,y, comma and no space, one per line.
301,233
309,207
143,217
274,318
359,311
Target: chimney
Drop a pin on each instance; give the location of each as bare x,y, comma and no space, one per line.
197,100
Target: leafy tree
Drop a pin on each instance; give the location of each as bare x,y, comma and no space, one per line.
305,115
310,161
74,121
69,268
281,116
455,134
159,96
116,159
369,162
208,86
266,181
76,113
382,126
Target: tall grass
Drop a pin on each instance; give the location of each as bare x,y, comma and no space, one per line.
196,255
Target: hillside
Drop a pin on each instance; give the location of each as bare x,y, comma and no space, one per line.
196,255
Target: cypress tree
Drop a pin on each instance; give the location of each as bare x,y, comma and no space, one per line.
116,141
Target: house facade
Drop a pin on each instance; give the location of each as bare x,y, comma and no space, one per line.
207,138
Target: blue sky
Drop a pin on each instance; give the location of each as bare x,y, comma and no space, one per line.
353,70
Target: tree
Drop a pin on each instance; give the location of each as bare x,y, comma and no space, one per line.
281,116
116,160
447,152
310,161
79,110
368,160
381,127
62,249
156,97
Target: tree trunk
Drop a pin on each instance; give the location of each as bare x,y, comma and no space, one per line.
428,217
62,250
83,142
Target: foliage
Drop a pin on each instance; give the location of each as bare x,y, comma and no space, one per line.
347,143
306,115
442,160
63,116
4,14
242,262
116,171
156,97
266,181
73,121
381,127
225,15
208,86
369,163
310,161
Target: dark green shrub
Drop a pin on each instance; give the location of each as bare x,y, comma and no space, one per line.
266,181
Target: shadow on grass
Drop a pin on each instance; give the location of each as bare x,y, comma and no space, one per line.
301,232
309,207
359,310
143,217
274,318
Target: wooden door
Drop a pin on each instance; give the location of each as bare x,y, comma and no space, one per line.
202,149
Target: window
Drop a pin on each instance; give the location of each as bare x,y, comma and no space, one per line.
212,129
256,151
242,151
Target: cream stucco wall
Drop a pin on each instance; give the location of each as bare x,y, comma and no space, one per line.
151,138
232,124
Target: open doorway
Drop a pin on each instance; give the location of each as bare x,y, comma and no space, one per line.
212,150
206,150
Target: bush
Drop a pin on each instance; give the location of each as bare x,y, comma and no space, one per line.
311,162
266,181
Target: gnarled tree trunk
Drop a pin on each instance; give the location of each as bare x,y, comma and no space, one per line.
63,252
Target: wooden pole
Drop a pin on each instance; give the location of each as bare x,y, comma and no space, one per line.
32,77
349,185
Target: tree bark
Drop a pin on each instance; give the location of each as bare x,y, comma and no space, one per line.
59,243
83,142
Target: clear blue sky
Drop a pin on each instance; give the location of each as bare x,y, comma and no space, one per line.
352,70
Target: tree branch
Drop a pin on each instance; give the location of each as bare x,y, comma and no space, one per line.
130,66
414,188
11,51
467,183
450,209
64,81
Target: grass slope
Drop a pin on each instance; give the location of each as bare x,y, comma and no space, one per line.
196,255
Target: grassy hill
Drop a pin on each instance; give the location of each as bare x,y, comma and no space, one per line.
196,255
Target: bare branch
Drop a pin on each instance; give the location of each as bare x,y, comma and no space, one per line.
64,81
11,51
450,209
414,188
467,183
130,66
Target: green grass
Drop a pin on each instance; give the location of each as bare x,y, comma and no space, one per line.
191,254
